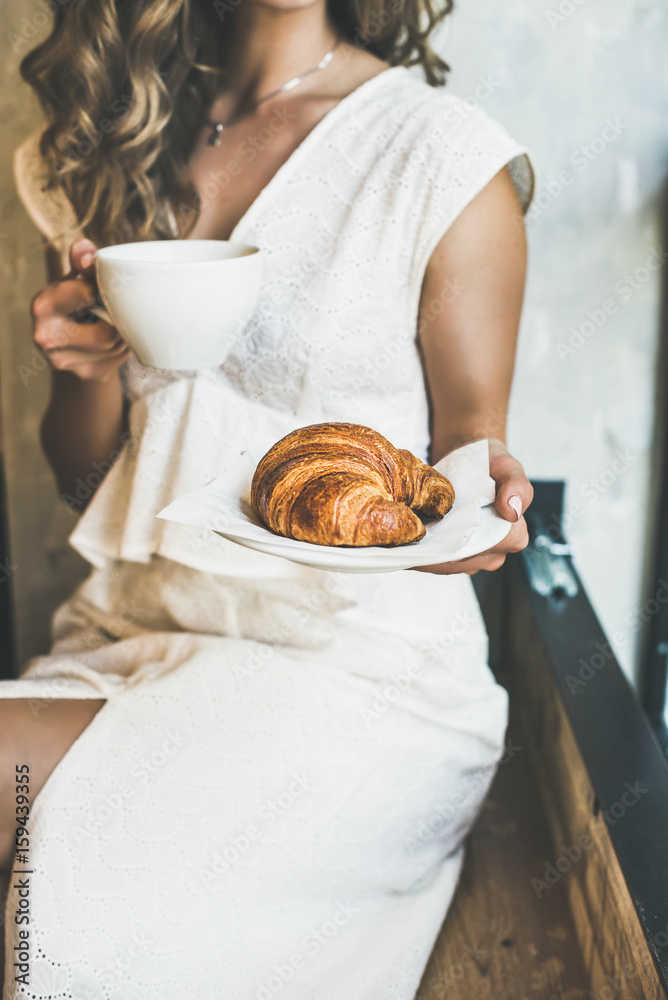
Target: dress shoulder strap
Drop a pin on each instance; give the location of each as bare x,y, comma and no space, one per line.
457,148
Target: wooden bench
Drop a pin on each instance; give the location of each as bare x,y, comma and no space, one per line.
501,940
564,890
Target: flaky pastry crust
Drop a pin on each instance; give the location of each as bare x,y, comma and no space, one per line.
345,484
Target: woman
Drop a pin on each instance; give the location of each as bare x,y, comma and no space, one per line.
225,801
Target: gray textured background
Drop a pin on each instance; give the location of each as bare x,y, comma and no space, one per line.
556,78
553,73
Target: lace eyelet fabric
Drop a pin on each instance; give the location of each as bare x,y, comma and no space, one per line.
272,801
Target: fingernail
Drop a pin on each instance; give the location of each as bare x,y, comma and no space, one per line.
516,505
87,259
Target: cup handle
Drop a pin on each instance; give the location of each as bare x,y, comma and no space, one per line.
103,315
93,314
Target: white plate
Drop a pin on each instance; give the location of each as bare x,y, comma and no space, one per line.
375,559
472,526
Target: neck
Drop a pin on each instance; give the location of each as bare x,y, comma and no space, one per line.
272,45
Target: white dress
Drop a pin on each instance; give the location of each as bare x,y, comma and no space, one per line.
273,799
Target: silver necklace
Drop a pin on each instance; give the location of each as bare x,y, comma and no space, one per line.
217,128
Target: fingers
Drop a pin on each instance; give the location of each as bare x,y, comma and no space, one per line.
56,333
491,560
514,492
516,539
58,316
90,365
82,256
63,297
67,356
64,329
468,566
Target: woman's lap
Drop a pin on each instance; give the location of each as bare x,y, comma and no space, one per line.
234,800
250,796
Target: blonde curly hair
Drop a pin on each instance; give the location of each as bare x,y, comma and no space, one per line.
142,74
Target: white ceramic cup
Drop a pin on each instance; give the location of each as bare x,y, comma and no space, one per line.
179,304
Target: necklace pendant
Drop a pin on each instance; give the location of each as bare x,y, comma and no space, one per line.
214,138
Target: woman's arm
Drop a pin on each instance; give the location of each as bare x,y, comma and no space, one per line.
468,337
82,428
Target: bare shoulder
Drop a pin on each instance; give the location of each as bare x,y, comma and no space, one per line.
492,222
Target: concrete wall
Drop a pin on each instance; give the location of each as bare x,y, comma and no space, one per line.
584,84
555,72
44,569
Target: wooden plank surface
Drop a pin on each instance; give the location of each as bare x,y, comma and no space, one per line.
612,941
499,940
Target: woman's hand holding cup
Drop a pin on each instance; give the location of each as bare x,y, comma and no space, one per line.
66,333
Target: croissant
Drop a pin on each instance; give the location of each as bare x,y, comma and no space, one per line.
345,484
